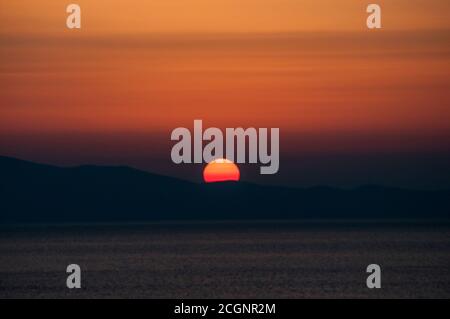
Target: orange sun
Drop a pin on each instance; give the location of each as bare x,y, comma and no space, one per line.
221,170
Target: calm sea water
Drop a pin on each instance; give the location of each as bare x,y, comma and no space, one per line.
227,260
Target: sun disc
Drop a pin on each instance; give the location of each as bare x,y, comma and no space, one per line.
221,170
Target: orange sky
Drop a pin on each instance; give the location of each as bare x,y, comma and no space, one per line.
138,16
308,67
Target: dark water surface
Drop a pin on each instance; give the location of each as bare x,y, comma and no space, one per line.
227,260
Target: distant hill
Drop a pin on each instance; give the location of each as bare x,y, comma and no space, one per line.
32,192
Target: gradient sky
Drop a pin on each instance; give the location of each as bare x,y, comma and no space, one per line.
354,106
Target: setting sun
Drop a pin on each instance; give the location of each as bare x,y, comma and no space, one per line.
221,170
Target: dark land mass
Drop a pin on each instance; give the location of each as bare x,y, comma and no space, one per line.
31,192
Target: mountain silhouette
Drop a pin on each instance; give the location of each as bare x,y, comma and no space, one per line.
31,192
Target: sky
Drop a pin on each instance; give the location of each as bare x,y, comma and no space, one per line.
354,106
